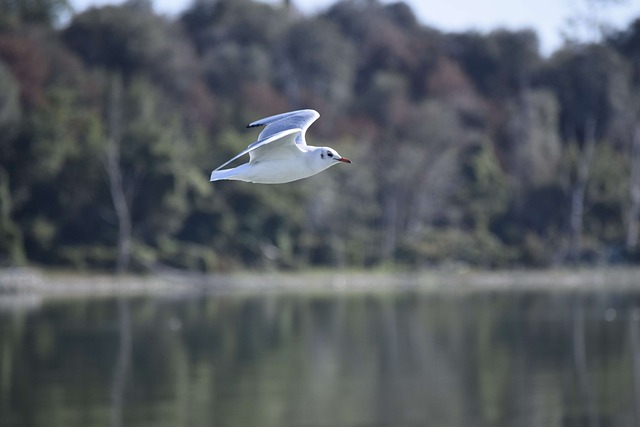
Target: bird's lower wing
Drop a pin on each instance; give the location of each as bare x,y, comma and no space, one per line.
280,136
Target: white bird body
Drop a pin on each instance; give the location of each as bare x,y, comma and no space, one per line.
281,153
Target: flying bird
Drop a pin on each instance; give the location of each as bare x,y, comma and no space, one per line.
281,153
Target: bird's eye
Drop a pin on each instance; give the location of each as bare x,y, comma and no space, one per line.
330,154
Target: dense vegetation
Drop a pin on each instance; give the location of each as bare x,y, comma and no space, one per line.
467,147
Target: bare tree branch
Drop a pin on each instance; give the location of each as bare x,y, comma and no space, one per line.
114,171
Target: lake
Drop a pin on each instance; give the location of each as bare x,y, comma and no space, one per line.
498,357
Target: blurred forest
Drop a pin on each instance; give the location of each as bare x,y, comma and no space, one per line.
468,148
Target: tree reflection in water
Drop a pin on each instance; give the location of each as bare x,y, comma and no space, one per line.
123,362
387,359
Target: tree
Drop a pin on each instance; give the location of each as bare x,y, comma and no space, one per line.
492,154
16,13
501,65
131,40
11,237
235,41
210,23
627,43
156,169
386,37
114,173
306,68
531,142
588,24
587,81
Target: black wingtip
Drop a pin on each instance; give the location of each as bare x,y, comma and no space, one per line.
254,125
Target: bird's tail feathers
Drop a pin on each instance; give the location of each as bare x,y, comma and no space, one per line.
222,174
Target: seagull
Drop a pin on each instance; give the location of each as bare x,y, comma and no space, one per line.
281,153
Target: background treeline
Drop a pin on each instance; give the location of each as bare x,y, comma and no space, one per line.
467,147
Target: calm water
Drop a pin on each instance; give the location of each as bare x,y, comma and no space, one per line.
498,358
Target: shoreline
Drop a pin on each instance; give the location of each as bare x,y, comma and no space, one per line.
50,284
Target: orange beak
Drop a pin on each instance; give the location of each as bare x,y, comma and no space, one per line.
344,160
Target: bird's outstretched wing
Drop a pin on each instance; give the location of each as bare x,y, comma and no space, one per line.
278,139
300,119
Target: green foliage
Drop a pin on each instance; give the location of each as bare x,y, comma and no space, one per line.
15,13
9,102
500,64
608,194
486,191
454,246
466,146
588,82
307,69
11,237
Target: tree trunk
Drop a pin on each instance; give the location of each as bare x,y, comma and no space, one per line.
576,221
390,227
634,191
116,185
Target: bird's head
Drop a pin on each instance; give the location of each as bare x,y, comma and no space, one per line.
331,156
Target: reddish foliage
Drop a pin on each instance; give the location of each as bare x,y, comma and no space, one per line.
448,78
201,104
264,99
28,62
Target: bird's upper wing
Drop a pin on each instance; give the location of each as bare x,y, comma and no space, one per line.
284,139
300,119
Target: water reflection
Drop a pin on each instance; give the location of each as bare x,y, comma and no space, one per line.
388,359
123,362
